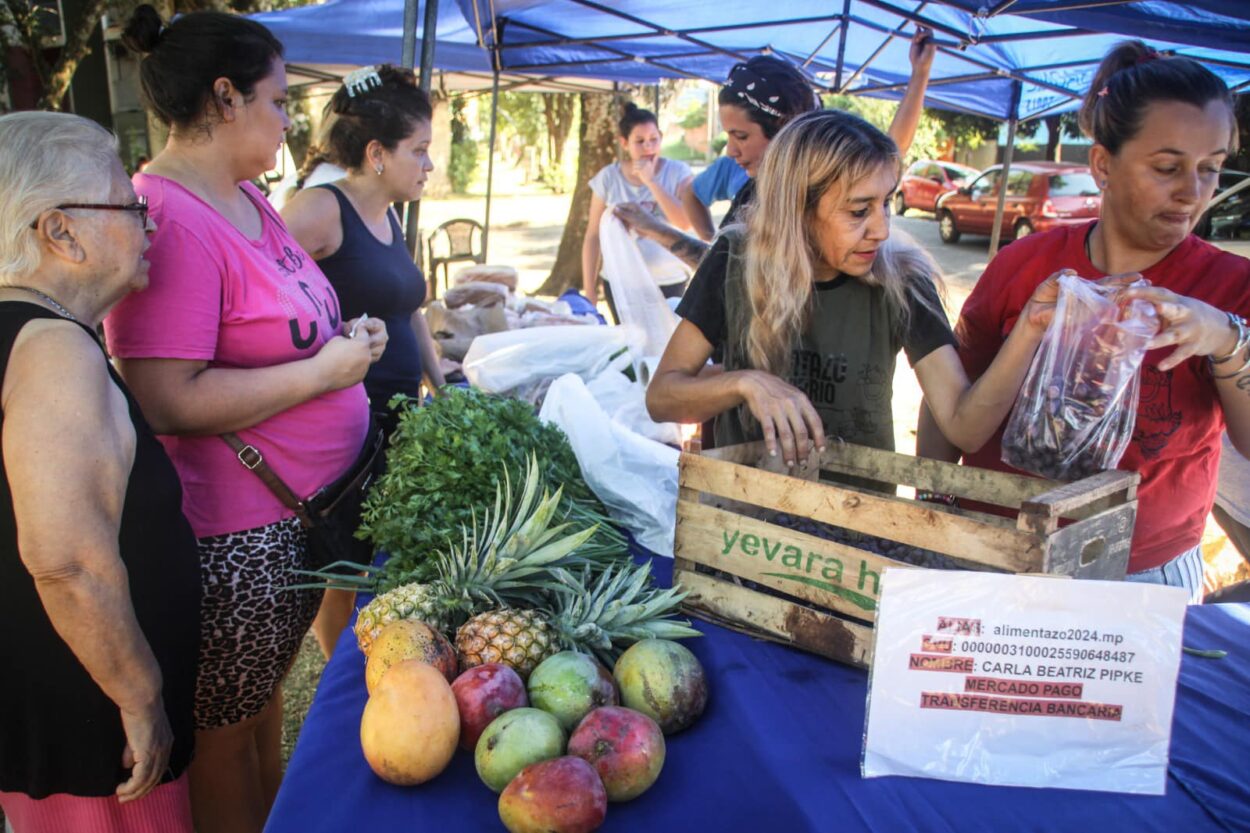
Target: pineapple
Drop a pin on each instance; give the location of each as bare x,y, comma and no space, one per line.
517,638
600,618
410,601
508,560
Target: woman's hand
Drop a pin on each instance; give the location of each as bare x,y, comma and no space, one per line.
373,330
1195,327
344,361
923,48
1040,310
148,743
645,169
786,415
640,221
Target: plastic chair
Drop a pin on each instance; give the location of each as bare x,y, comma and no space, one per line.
463,242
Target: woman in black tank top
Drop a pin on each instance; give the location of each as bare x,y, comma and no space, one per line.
381,136
99,576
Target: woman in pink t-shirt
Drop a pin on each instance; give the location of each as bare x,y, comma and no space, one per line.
238,332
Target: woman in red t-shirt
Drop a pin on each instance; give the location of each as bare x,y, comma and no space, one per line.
1162,127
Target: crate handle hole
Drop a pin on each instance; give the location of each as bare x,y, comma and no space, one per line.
1093,551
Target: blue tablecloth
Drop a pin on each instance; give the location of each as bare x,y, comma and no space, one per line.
778,750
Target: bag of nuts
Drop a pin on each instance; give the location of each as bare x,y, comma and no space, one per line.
1077,407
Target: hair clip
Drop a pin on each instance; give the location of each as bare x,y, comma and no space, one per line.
1103,92
360,80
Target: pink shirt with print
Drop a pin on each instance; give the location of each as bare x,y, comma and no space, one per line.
216,296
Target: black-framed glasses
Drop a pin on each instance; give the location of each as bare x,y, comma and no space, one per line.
140,207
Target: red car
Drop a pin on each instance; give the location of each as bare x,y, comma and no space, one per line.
926,181
1040,196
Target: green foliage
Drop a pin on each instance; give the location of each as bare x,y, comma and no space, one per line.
928,141
967,131
718,144
463,162
680,151
442,468
694,116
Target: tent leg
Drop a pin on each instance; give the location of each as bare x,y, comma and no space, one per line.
409,55
412,217
1002,188
490,161
1016,90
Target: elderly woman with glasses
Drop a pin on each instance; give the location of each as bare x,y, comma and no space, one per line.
99,578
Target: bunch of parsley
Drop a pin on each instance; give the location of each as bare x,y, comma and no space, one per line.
441,471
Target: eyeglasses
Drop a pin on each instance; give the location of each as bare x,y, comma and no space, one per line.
141,207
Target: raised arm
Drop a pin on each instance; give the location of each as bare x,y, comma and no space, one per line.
907,117
673,210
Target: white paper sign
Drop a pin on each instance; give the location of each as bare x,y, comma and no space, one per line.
1023,681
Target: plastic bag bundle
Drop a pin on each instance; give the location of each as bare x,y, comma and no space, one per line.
1078,405
639,301
635,477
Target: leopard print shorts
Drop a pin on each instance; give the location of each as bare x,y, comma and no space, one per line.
250,626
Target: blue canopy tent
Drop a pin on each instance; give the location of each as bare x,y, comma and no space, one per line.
991,61
1010,60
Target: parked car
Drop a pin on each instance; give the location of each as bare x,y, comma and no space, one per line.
926,181
1228,215
1040,196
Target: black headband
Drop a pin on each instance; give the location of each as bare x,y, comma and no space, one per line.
754,90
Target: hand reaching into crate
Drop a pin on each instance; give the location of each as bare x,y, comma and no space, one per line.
790,424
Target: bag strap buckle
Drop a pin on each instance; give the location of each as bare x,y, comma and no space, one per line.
250,457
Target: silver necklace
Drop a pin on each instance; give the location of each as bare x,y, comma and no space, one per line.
56,305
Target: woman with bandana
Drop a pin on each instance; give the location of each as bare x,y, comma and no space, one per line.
760,97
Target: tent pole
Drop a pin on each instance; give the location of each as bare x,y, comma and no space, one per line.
846,24
429,30
412,216
490,161
996,235
409,58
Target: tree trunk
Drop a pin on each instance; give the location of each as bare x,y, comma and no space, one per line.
596,148
559,109
1054,132
72,53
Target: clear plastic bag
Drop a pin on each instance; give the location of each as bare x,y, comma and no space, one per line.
1078,405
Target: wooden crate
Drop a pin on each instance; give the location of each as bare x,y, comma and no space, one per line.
822,594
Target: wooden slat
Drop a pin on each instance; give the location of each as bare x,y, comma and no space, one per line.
994,487
829,574
897,519
1062,500
765,616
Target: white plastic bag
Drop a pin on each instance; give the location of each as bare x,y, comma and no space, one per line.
636,478
520,362
639,302
1023,680
626,402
